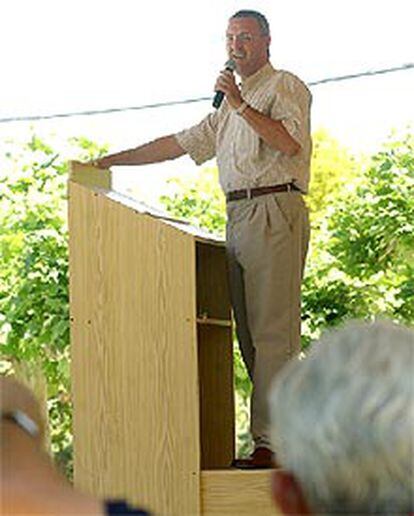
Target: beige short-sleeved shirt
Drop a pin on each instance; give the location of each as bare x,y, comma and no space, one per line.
243,158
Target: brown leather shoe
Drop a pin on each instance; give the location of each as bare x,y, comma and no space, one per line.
261,458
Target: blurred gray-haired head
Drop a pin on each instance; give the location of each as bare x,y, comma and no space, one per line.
343,420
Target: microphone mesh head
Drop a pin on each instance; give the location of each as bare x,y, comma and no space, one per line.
230,65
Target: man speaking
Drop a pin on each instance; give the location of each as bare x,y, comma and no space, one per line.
260,135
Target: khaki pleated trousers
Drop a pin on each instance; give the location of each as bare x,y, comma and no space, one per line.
267,242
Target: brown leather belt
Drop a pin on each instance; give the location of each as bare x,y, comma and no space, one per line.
249,193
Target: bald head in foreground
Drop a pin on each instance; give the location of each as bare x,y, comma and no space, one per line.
343,424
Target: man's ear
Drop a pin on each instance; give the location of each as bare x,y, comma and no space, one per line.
287,493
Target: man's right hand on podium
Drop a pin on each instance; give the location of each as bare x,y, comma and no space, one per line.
103,163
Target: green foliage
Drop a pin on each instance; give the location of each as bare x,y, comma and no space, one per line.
375,227
363,266
200,201
34,305
334,170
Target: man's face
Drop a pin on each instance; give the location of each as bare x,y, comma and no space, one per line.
246,45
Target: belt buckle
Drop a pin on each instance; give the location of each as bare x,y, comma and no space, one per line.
249,193
289,187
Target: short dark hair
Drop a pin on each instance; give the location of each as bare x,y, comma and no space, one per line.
259,17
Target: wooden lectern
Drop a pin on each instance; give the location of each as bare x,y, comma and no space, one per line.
152,373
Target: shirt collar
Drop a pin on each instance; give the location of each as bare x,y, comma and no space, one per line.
263,73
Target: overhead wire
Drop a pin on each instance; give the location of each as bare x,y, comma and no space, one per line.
29,118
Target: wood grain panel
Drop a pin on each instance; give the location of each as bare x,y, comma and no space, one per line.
233,492
134,356
215,362
213,299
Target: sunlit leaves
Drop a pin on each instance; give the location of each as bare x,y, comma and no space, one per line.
34,303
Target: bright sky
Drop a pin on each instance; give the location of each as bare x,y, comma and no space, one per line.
62,56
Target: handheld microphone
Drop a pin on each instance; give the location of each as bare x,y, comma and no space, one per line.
219,96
